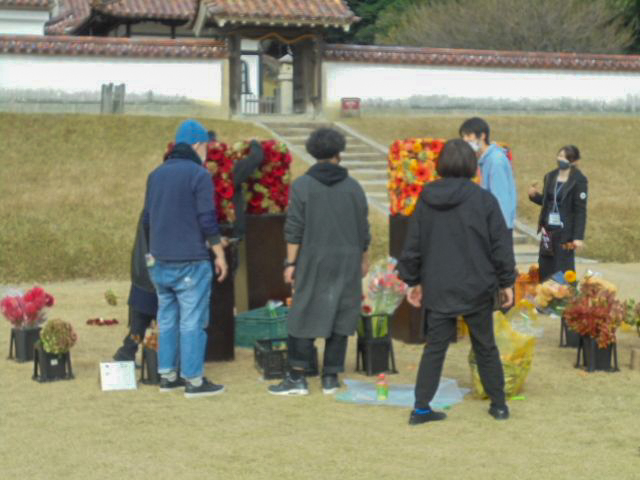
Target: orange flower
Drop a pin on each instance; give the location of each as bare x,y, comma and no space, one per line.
570,276
417,147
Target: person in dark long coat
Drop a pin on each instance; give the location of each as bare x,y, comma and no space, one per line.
563,217
457,255
327,235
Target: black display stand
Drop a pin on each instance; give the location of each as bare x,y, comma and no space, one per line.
22,343
221,329
407,323
265,252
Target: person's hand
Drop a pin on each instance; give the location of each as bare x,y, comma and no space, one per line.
578,244
289,273
221,268
414,296
533,190
506,297
365,265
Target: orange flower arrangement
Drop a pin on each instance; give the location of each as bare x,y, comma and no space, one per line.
412,164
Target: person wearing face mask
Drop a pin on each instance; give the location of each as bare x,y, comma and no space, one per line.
563,217
497,175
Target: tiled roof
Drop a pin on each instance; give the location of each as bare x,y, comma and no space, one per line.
322,12
147,9
73,13
111,47
481,58
27,4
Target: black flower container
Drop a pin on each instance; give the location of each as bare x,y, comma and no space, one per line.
595,358
48,367
22,343
149,372
375,351
568,338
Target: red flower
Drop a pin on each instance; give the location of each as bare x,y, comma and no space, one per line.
436,146
225,191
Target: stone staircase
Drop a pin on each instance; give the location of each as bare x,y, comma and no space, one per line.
367,162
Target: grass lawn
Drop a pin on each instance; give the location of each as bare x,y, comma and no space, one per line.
609,147
72,187
571,425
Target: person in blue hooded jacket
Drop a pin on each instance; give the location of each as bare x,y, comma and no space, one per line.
497,174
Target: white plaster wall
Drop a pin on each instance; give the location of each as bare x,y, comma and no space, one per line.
200,80
22,22
397,82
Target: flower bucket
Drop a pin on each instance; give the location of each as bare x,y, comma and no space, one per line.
22,343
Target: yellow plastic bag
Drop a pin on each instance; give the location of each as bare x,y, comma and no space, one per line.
516,354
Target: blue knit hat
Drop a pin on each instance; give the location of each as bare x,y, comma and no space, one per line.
192,132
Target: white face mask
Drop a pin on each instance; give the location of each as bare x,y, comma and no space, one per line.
475,145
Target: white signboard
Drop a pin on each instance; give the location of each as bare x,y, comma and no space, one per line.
118,376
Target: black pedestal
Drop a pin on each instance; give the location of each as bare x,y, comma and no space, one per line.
408,322
48,367
149,369
266,251
595,358
221,330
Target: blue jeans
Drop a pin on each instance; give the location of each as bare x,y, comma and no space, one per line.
184,291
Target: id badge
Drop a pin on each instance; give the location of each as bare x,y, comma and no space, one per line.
150,261
554,220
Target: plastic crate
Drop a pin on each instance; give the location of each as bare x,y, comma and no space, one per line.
270,357
259,324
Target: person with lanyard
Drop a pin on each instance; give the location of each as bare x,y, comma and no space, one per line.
563,217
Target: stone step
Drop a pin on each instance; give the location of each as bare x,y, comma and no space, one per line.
361,155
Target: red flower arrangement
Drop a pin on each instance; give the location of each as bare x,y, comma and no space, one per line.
220,164
25,311
268,188
595,312
100,322
412,164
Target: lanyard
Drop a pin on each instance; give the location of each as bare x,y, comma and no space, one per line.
556,191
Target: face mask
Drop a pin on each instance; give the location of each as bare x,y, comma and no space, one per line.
475,145
564,164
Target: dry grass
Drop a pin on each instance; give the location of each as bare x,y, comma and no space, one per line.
571,424
72,187
609,147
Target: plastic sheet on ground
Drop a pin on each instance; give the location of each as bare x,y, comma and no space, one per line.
448,394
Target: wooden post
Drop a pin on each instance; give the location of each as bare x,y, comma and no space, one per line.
235,73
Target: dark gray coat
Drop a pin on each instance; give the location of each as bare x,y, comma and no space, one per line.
330,223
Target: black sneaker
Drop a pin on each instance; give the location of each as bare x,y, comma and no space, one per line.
419,418
289,386
330,384
499,413
207,389
169,386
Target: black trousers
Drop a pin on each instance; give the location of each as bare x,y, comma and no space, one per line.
139,322
301,353
440,331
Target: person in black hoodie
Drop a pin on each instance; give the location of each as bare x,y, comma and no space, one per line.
327,235
563,217
457,255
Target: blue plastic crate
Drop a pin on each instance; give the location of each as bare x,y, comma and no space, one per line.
260,324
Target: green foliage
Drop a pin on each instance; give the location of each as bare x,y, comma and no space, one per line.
58,337
376,17
594,26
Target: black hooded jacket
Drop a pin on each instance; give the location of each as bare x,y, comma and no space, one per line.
458,248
